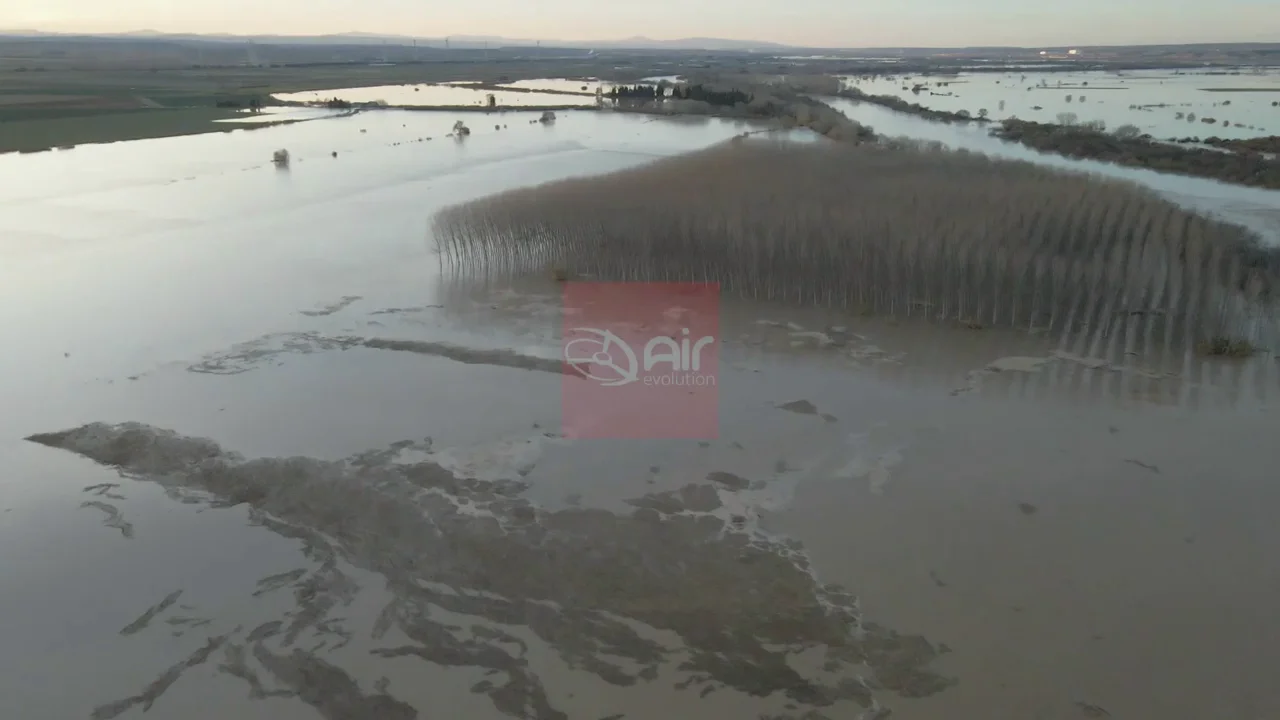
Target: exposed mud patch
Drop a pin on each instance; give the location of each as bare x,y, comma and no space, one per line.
871,462
729,480
1002,365
1090,710
104,490
1062,363
470,356
145,619
1145,466
267,351
674,587
800,407
332,308
153,691
113,517
406,310
328,689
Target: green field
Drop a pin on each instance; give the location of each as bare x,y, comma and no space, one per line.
57,107
35,135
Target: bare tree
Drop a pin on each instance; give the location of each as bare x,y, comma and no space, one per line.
899,229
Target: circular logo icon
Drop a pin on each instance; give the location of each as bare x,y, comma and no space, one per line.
603,357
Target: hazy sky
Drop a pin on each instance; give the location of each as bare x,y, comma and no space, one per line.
829,23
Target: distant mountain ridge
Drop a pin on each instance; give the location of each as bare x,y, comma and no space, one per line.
631,43
457,41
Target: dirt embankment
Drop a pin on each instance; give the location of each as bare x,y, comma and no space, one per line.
902,106
1269,145
1241,168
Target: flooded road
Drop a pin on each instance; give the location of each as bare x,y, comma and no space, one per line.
260,460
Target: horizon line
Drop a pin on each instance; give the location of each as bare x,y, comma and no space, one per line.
35,32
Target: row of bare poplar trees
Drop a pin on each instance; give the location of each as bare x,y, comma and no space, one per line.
912,232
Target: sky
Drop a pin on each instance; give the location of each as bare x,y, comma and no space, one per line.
813,23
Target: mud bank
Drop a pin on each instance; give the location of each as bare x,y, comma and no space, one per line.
680,585
246,356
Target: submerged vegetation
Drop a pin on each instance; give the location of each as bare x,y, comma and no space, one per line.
1222,346
909,232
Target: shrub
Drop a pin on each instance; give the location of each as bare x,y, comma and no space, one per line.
1127,132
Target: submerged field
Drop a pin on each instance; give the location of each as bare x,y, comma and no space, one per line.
1164,103
282,467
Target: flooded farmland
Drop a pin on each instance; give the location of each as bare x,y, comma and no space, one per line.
1255,208
1164,103
279,466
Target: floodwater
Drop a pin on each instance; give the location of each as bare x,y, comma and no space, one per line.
1164,103
1255,208
383,522
427,95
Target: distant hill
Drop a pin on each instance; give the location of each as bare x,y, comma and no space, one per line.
696,43
468,42
456,41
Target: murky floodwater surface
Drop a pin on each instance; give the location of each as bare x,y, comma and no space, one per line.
279,467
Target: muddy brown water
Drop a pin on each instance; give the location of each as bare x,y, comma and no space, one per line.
278,469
